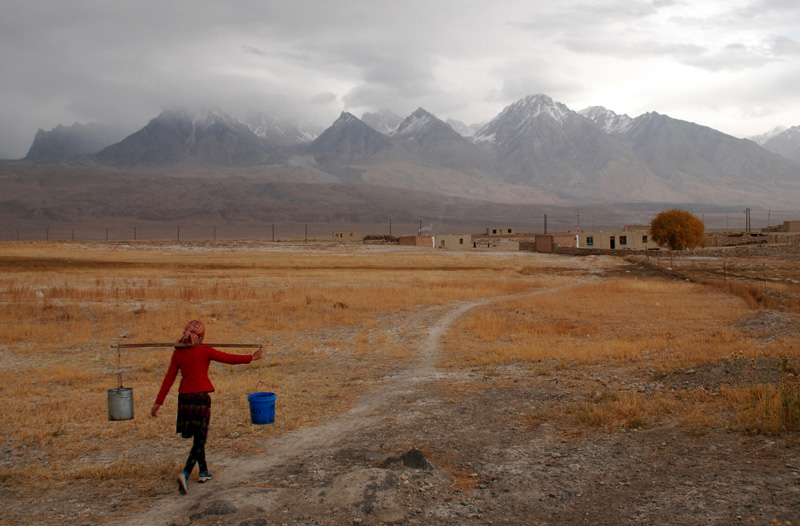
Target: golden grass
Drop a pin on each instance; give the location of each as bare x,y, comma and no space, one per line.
649,325
614,410
42,477
765,408
680,323
762,284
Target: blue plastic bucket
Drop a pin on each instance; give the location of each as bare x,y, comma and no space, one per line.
262,408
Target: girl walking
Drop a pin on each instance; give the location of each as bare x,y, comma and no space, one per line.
194,402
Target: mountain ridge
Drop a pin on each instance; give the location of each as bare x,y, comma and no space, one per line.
535,148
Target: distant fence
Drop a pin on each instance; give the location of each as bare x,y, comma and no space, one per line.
174,232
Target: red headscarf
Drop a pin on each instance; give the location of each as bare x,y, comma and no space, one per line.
193,332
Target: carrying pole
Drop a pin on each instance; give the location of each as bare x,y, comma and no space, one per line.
180,345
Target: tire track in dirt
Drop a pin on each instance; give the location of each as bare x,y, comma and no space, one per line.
239,471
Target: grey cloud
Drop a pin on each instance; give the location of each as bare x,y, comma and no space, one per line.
253,51
589,17
323,98
781,46
522,78
387,72
733,57
770,5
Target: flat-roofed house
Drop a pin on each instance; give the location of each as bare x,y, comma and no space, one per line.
352,235
501,231
616,240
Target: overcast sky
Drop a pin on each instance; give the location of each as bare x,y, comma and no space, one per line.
733,65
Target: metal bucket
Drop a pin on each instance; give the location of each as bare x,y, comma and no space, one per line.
120,403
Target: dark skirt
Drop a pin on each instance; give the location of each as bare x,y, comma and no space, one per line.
194,414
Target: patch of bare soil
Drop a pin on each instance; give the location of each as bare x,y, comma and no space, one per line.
770,325
732,372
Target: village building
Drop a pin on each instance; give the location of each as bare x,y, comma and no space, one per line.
501,231
458,241
348,235
453,241
787,226
586,242
416,241
616,240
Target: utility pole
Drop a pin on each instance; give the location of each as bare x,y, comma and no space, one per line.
545,223
579,220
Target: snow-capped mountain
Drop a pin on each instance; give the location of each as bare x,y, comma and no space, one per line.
764,137
416,125
440,145
523,116
346,142
383,121
540,142
609,121
208,137
421,139
281,131
786,143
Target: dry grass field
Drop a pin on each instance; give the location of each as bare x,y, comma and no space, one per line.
637,350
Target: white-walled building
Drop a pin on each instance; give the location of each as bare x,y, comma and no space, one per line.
616,240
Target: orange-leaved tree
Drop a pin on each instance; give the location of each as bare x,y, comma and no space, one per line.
678,229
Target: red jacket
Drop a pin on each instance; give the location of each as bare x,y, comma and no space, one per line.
193,364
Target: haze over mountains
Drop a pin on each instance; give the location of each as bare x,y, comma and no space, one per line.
536,150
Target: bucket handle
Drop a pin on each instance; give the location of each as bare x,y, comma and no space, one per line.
119,367
260,381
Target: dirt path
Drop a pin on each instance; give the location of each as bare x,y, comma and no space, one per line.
473,458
